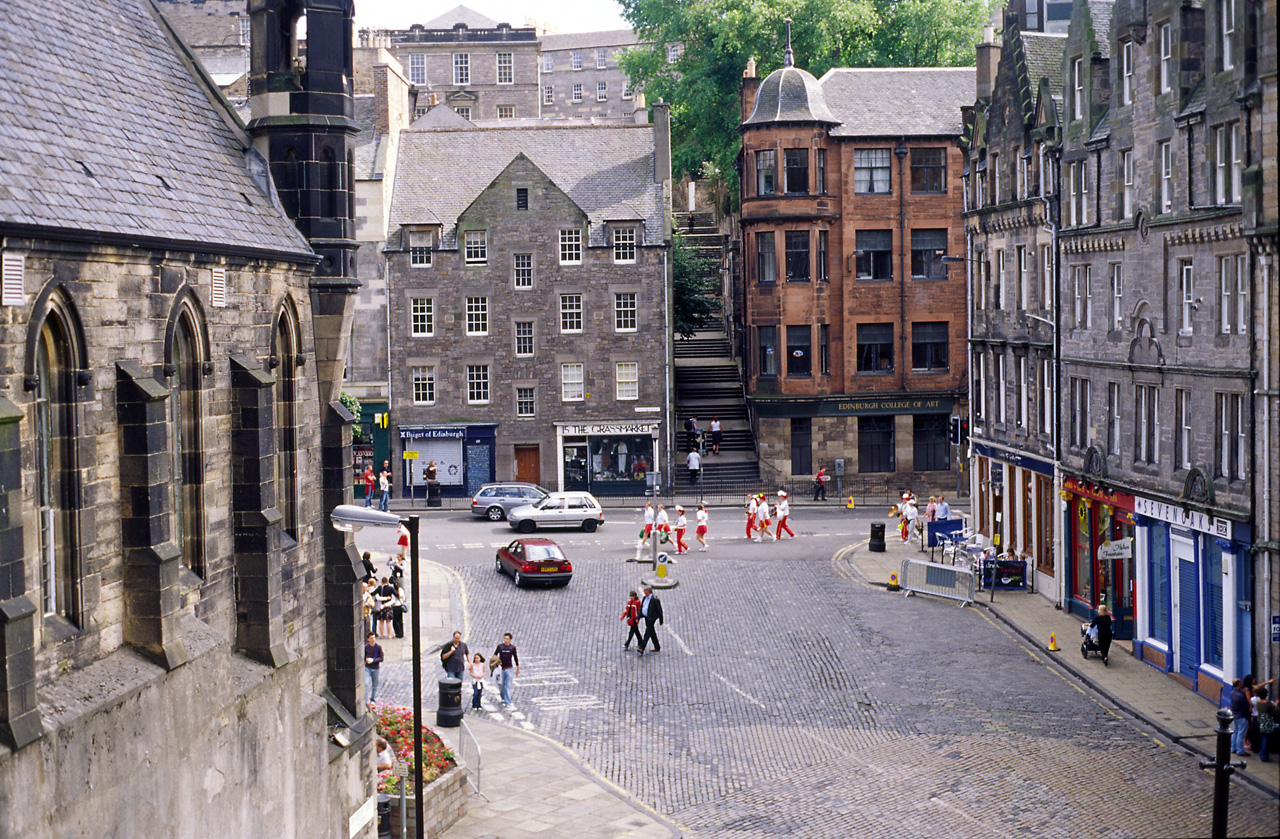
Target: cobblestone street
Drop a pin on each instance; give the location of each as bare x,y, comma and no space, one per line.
789,699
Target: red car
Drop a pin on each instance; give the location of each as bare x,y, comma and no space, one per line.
534,561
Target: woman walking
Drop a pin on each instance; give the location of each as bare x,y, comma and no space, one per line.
681,525
701,530
631,614
716,435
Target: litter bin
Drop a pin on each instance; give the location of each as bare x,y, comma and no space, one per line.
433,493
449,709
877,537
384,816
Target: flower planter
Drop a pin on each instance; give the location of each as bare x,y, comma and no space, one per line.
444,803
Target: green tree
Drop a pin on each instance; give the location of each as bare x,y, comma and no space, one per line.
715,39
693,278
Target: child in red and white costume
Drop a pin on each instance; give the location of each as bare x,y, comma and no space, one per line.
752,508
661,523
784,510
701,530
681,525
762,519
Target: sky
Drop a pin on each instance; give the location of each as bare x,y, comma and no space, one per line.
556,15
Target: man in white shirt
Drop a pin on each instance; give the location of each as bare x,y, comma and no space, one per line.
694,462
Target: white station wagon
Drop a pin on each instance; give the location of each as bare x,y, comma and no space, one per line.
559,509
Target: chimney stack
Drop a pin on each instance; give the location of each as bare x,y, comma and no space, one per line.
988,62
750,84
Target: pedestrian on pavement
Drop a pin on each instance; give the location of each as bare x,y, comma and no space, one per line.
682,524
651,611
476,671
398,609
944,509
631,614
372,664
370,481
691,426
367,604
931,511
402,539
784,510
395,564
1102,625
430,472
370,572
911,515
386,758
648,522
384,485
1267,724
382,599
717,435
762,519
701,529
753,507
694,462
820,484
506,651
1251,688
1241,711
662,524
454,656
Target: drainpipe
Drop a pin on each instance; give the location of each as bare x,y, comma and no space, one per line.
1268,397
386,284
666,368
901,152
1053,216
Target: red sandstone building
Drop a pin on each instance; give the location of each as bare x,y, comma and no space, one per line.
855,325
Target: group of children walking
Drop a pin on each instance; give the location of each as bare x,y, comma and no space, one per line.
761,516
661,522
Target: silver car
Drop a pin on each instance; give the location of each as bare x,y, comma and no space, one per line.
559,509
495,501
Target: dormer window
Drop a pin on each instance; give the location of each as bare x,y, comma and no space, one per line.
421,243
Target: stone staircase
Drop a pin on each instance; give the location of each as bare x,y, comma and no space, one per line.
700,231
709,385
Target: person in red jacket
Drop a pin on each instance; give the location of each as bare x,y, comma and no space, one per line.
370,481
631,614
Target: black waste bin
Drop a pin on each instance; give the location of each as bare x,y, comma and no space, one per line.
433,493
877,537
384,816
449,710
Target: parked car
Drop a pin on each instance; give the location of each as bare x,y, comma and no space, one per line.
534,561
559,509
495,501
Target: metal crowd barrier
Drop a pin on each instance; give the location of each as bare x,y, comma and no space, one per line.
467,746
951,582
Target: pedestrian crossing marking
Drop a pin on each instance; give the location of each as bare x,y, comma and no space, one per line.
568,702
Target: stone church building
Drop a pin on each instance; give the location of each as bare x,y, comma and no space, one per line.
179,624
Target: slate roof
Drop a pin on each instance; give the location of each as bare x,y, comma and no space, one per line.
790,94
585,40
1100,11
1196,101
1043,52
606,170
898,101
1102,131
89,128
461,14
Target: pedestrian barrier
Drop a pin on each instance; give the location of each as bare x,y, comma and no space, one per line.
469,756
951,582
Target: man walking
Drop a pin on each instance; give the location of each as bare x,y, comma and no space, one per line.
370,481
694,462
506,652
1241,712
944,509
384,483
372,665
454,657
651,611
820,484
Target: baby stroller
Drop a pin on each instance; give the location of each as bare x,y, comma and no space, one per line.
1090,643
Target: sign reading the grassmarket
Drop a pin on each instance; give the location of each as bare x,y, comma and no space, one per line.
855,406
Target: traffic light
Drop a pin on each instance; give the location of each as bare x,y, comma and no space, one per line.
955,431
964,430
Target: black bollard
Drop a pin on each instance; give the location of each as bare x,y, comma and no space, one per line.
449,711
877,537
1223,770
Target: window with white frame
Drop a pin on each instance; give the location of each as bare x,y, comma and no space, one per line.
524,338
1241,441
575,59
577,92
1166,177
1166,57
475,247
522,267
1232,445
998,291
1020,177
525,402
1046,396
1186,296
1126,166
1227,26
993,167
417,68
626,377
1023,392
1079,418
548,94
1002,414
478,384
1113,418
422,320
246,31
571,246
1075,183
673,53
1237,163
983,273
1126,73
1046,277
418,112
463,111
477,315
626,90
506,112
424,385
1182,441
571,383
1020,290
1223,169
1117,295
506,68
602,59
977,373
548,62
420,242
461,68
1226,293
871,172
571,313
1147,424
1077,88
625,311
1242,294
602,91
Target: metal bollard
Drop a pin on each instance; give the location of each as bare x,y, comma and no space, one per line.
1223,770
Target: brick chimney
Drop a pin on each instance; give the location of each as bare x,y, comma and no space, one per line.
988,62
750,84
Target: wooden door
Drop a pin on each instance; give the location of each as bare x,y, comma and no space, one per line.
528,462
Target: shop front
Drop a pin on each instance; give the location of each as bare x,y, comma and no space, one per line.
463,455
1099,546
1014,507
1194,590
370,444
608,458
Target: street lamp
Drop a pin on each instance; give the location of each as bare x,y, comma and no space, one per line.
350,518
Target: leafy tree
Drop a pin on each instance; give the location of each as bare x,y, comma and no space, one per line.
717,37
693,277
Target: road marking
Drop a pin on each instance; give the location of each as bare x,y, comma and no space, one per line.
472,545
739,691
679,641
527,726
446,547
498,544
567,702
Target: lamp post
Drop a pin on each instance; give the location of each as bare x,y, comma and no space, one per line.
350,518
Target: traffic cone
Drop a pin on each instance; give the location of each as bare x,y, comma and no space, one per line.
893,583
850,505
1053,643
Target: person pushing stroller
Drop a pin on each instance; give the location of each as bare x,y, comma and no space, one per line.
1097,635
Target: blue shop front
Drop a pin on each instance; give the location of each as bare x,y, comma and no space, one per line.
1195,589
462,452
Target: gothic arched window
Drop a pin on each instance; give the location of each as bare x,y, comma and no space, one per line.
188,448
285,351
